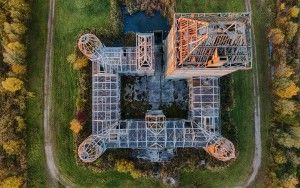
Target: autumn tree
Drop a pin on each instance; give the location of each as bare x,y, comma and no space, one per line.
285,88
14,31
276,36
15,52
13,147
75,126
294,11
283,71
12,84
285,107
80,63
12,182
289,182
19,10
279,157
291,139
18,69
291,30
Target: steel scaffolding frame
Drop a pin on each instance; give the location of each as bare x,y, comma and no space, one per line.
201,48
225,44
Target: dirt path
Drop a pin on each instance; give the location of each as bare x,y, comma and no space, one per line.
256,163
56,178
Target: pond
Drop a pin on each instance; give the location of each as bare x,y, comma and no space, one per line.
143,23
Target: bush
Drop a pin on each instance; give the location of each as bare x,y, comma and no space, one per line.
18,69
125,166
276,36
12,84
13,147
80,63
75,126
294,11
12,182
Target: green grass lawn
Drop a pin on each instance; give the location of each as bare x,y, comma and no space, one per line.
70,21
34,116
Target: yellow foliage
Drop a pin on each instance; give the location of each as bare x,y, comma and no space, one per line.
290,182
12,182
125,166
136,174
279,158
287,91
294,11
80,63
75,126
282,6
276,36
13,147
283,71
18,69
21,123
12,84
285,107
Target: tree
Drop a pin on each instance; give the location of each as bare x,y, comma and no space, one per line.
75,126
285,88
292,139
279,157
291,30
12,84
19,10
13,147
14,29
18,69
80,63
290,182
15,52
124,166
12,182
285,107
276,36
294,11
283,71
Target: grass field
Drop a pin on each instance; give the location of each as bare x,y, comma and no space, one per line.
34,116
70,21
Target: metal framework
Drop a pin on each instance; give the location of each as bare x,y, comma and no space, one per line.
200,48
211,44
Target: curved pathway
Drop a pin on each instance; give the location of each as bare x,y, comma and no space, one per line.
57,178
256,163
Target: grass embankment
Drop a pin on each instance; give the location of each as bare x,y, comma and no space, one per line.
242,114
70,21
34,116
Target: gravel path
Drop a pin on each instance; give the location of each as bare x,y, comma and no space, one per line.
256,163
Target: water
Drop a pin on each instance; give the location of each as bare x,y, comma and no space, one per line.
143,23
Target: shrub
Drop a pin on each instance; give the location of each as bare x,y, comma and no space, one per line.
291,30
80,63
285,107
12,84
75,126
15,52
12,182
71,58
125,166
13,147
